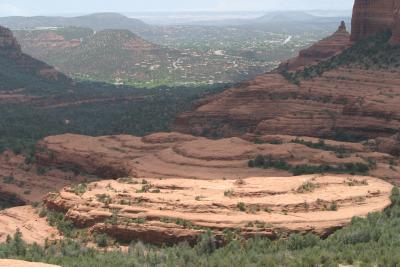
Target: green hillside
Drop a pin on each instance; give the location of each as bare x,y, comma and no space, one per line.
33,105
113,55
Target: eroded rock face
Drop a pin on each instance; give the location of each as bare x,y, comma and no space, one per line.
173,210
157,155
33,228
374,16
22,183
396,27
172,155
320,51
347,99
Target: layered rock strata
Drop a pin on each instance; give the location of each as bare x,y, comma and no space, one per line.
161,211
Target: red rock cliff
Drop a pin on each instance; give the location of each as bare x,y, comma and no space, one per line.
373,16
396,26
320,51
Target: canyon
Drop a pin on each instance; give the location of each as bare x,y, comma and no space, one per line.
361,101
165,188
172,187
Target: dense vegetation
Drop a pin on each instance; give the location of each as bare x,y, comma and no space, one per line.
118,111
22,73
372,53
267,162
5,204
62,106
338,150
371,241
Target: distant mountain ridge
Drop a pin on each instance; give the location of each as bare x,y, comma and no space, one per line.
97,21
283,18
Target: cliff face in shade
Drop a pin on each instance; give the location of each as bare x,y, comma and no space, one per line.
373,16
19,70
8,44
321,50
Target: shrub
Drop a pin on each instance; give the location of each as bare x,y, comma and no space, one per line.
241,206
351,168
63,225
79,189
9,179
104,198
101,240
307,187
333,206
228,193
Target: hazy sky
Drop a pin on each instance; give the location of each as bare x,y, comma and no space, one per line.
37,7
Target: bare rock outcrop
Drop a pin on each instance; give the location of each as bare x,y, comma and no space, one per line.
320,51
24,183
173,155
173,210
396,27
18,263
371,17
25,218
348,100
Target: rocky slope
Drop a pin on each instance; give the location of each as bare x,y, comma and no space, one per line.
25,183
320,51
172,155
172,187
361,103
166,211
33,228
73,159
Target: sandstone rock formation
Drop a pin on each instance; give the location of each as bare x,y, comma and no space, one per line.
157,155
197,184
33,228
352,100
22,183
163,211
373,16
396,26
320,51
173,155
358,102
17,263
